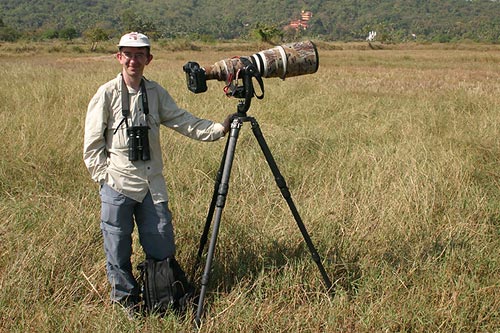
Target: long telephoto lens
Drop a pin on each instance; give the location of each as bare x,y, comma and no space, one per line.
282,61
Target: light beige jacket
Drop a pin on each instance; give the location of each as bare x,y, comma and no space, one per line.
105,153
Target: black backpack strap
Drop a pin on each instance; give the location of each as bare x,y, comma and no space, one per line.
145,103
126,102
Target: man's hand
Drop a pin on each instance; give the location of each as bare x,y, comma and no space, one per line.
227,123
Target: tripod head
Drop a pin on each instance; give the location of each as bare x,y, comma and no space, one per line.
245,91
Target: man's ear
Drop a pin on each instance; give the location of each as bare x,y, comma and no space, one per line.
150,58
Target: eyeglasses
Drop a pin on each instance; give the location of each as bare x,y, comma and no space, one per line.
136,56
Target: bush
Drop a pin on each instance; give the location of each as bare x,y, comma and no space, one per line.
8,34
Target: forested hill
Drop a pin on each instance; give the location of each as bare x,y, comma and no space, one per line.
394,20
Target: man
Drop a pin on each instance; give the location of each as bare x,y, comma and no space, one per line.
122,153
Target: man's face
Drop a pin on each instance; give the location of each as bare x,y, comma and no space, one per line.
134,59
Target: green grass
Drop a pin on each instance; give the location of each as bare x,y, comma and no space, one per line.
391,156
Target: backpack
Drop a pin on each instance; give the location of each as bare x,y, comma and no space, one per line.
164,286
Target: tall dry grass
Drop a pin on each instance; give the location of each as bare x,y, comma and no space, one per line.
391,156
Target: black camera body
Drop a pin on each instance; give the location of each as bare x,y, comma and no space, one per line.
138,143
195,77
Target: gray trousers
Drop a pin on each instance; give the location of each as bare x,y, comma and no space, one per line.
156,236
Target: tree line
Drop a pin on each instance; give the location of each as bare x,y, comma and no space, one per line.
342,20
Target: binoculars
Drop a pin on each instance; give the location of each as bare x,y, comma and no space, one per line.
138,143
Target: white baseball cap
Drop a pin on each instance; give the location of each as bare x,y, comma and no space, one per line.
134,39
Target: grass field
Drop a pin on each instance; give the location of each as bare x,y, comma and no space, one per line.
392,157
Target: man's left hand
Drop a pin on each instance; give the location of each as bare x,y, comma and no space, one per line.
227,123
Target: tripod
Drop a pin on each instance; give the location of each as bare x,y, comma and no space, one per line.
222,184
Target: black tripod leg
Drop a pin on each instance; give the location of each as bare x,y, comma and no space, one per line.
219,206
208,221
280,181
